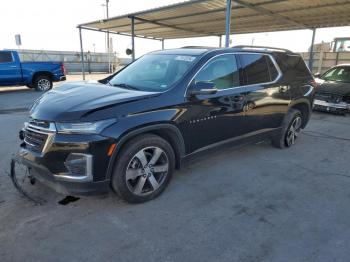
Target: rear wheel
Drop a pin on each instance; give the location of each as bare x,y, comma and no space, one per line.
42,83
290,130
143,169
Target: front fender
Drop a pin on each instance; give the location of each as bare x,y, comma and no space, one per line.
134,125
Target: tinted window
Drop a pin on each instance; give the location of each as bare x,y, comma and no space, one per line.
222,71
293,66
255,68
5,57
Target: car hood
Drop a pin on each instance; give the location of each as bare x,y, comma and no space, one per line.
71,101
337,88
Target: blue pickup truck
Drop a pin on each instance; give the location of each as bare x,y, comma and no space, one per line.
38,75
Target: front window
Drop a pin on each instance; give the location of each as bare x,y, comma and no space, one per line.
338,74
154,72
222,71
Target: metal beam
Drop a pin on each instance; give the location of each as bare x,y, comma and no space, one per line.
133,37
228,22
311,55
265,11
118,33
166,25
82,53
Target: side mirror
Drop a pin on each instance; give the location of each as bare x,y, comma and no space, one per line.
317,75
203,88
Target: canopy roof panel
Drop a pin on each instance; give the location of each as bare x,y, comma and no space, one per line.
207,18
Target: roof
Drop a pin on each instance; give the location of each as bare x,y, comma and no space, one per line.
207,18
200,50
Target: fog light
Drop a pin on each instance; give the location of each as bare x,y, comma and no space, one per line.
79,167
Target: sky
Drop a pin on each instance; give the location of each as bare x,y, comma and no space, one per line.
51,25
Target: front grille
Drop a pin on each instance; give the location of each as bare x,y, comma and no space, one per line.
37,123
331,98
37,134
35,141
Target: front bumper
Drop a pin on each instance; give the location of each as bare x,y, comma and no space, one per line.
62,186
331,107
70,164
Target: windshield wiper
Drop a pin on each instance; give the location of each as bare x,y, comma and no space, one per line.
123,85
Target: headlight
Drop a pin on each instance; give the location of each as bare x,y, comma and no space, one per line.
84,127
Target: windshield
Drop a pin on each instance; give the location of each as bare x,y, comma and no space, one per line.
154,72
339,74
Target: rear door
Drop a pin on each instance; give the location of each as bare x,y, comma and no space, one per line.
267,99
10,70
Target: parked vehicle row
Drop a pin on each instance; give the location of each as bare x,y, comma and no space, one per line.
38,75
130,131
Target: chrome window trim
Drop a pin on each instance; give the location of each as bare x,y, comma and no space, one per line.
243,86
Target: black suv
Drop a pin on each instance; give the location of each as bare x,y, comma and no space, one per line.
132,129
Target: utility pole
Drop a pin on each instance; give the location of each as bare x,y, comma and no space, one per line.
108,43
107,40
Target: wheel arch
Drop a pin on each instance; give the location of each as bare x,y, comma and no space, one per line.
304,107
42,73
168,132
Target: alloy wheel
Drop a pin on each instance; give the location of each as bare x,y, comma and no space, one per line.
44,85
147,171
293,131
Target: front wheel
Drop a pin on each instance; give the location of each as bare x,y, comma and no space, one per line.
143,169
290,130
42,83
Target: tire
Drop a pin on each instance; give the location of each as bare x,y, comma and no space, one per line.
290,131
42,83
143,168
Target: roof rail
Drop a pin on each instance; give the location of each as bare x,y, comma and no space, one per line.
263,47
203,47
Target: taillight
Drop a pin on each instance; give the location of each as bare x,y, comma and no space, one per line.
314,83
63,70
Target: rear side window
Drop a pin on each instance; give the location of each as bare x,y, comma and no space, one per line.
5,57
294,66
257,69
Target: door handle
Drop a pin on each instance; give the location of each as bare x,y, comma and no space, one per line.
283,89
238,98
13,66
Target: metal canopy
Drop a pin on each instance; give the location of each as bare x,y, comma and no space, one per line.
208,17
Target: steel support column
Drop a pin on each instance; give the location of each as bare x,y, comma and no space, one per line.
82,54
311,55
162,44
133,38
220,41
228,22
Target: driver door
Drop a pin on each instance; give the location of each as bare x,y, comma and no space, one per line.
217,117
